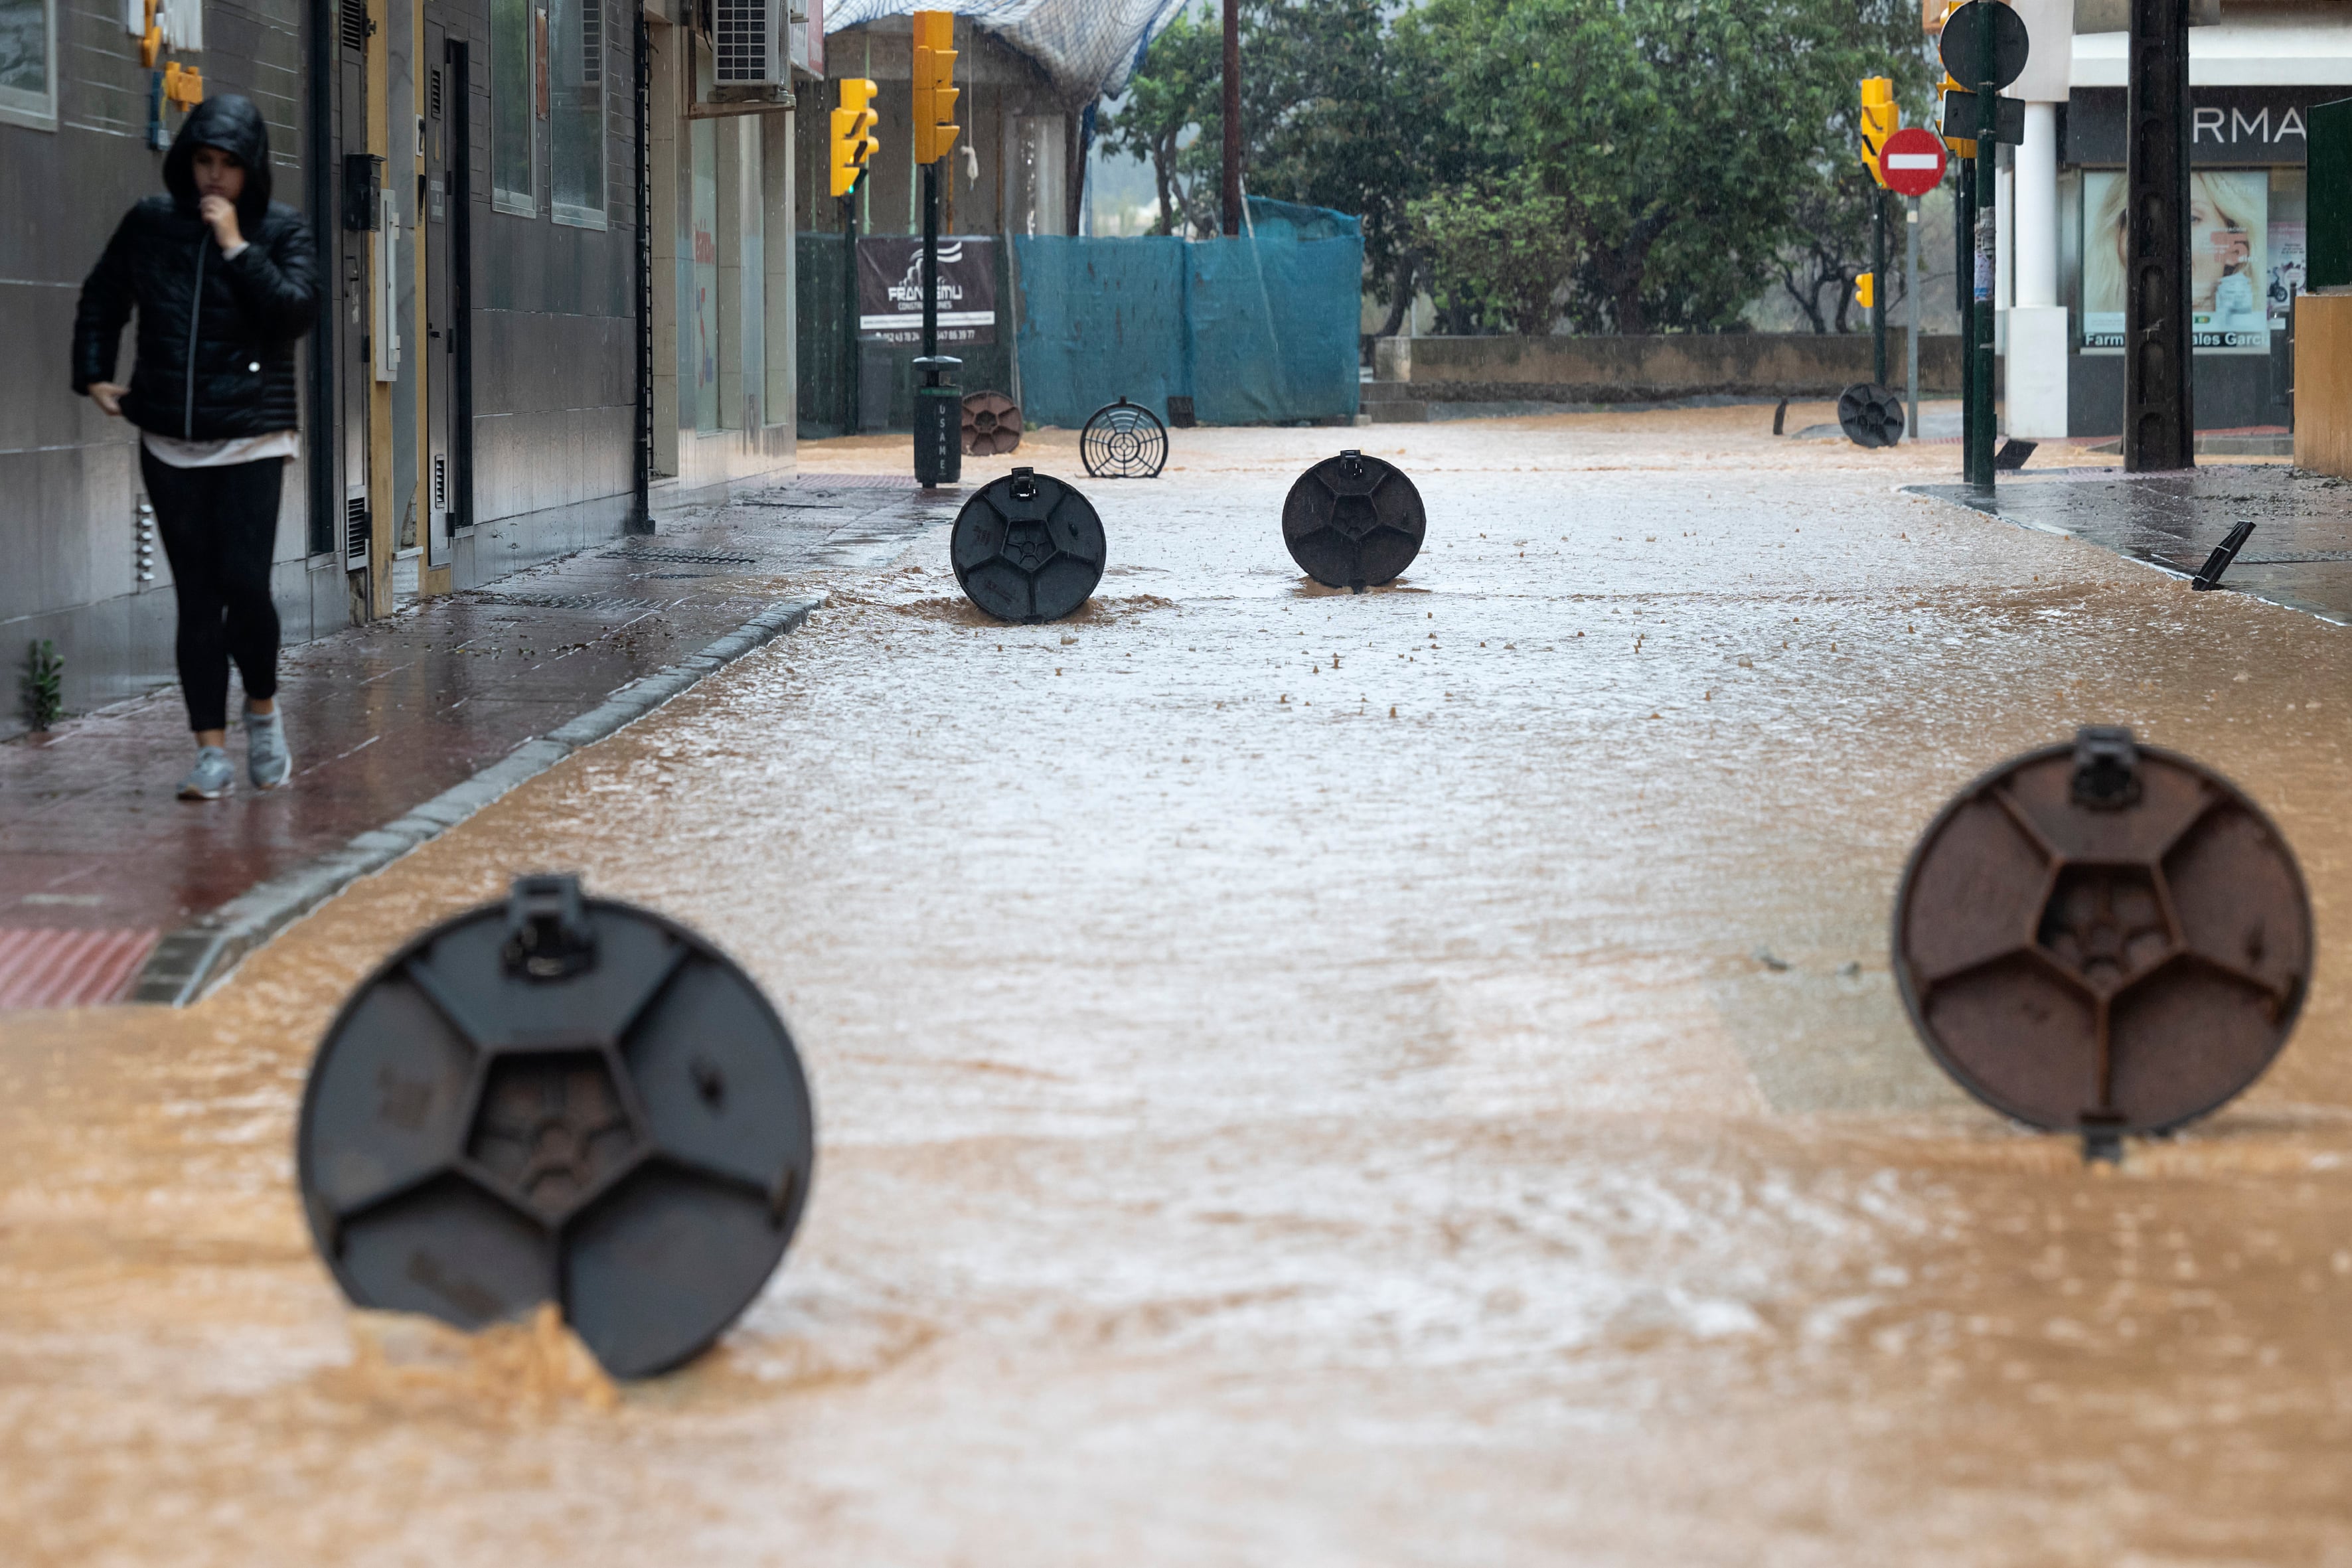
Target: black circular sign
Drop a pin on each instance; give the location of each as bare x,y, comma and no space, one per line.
1961,45
1869,415
1353,522
559,1099
1027,547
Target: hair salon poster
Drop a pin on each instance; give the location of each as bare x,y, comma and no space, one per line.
2232,273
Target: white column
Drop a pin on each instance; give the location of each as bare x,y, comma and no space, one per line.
2036,401
2037,207
2004,211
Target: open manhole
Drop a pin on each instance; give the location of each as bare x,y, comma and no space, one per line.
559,1099
2103,937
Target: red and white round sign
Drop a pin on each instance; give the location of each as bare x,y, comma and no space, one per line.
1912,161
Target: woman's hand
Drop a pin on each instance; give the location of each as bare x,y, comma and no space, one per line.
221,213
107,394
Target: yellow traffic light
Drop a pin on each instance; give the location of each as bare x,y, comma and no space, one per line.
1880,119
935,90
1865,290
854,141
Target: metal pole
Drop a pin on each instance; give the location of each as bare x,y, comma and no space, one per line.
1231,191
931,260
1980,351
850,369
1878,287
1911,310
641,507
1964,226
2160,415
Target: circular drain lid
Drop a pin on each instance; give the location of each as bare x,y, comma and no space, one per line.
1027,547
559,1099
1869,415
1352,522
2103,937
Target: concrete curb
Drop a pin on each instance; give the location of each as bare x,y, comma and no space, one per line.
192,960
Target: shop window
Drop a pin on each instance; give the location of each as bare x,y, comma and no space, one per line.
2289,191
2229,261
29,63
576,71
517,32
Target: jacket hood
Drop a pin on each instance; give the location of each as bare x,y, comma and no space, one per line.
235,126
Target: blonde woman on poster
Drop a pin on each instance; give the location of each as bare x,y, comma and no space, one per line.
2228,211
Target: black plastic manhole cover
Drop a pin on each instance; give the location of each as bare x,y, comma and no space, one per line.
1869,415
1027,547
2103,936
559,1099
1353,522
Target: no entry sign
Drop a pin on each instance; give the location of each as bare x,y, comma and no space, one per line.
1912,161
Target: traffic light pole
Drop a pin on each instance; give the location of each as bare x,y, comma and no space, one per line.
1878,287
1988,90
939,402
931,260
1911,294
1964,246
850,389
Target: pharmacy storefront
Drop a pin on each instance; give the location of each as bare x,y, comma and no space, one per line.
2245,250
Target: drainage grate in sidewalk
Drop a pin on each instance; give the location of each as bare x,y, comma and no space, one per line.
47,968
571,601
681,557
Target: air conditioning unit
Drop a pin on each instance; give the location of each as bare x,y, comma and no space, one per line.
751,46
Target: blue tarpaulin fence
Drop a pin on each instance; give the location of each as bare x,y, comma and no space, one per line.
1262,329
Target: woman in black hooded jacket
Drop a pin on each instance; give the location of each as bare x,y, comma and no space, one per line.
224,281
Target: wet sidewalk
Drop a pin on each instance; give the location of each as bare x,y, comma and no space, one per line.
2299,555
100,864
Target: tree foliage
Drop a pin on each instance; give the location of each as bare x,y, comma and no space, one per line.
1169,98
1499,252
1677,156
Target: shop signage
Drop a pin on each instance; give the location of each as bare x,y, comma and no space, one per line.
2228,125
890,288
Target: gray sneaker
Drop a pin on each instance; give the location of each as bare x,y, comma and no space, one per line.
266,756
211,778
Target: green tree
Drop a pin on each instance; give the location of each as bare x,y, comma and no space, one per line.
1334,114
1679,134
1831,248
1830,204
1339,115
1175,88
1499,254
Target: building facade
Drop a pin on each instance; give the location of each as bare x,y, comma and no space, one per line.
2254,75
549,305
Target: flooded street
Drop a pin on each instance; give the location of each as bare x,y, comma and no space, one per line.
1302,1079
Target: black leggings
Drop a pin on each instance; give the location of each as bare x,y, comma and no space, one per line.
219,528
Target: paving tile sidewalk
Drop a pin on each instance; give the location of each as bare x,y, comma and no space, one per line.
99,860
2300,555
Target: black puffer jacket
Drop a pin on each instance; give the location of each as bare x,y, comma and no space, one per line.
217,337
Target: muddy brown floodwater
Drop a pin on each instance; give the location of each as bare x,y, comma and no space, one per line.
1302,1079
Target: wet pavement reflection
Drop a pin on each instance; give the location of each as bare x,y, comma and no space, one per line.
385,716
2300,555
1301,1079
